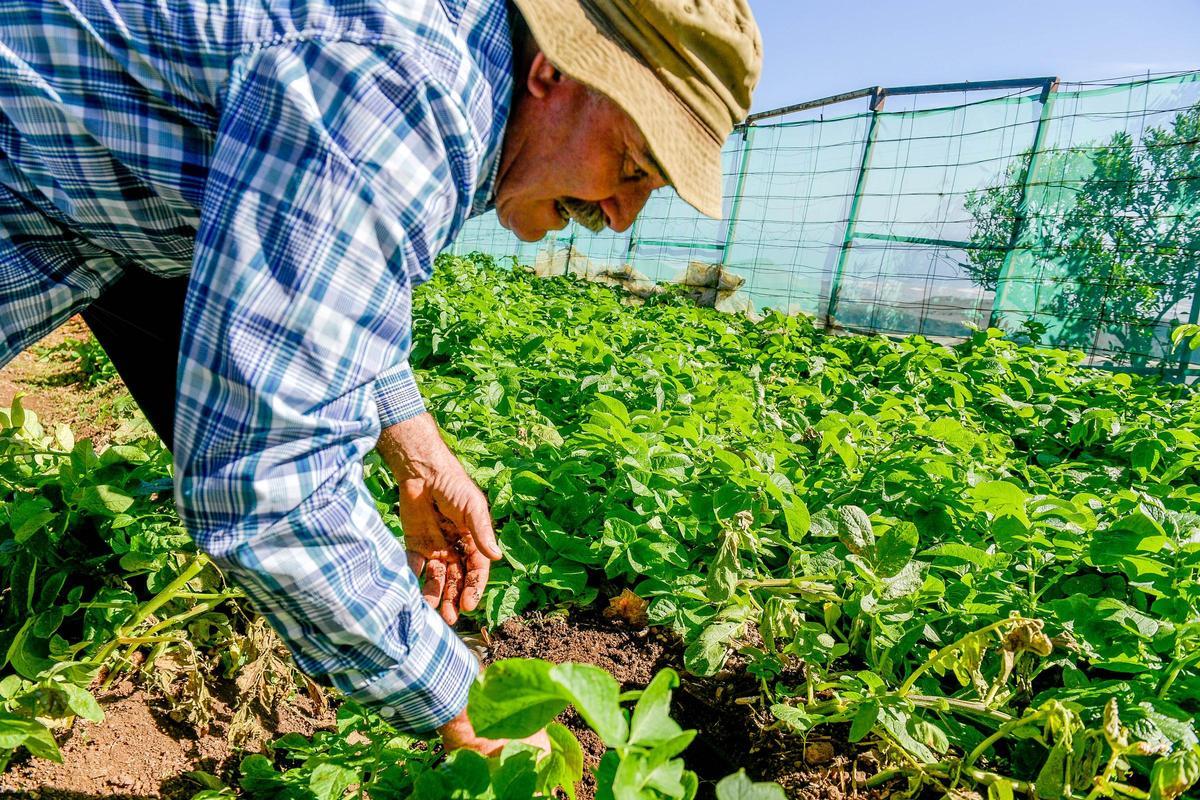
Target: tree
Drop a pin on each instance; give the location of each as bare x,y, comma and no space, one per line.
1119,223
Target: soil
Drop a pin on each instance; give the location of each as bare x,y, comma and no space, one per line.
734,726
52,386
631,656
140,753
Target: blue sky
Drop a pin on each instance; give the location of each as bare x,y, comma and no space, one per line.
814,48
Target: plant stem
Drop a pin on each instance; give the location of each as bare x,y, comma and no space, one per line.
938,655
1000,733
968,706
171,591
1173,672
230,595
166,595
200,608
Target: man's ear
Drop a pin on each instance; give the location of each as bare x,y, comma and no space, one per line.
543,76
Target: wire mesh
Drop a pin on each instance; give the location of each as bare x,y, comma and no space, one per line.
1067,214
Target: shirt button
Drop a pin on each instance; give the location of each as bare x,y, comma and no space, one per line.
387,711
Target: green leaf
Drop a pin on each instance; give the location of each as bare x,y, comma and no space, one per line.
1052,779
520,548
28,515
596,696
895,548
81,702
516,778
28,654
259,777
738,786
855,531
1141,522
962,552
330,781
613,406
564,766
923,740
797,519
793,717
466,773
103,500
207,780
507,601
999,498
723,573
707,653
1146,454
515,698
1172,776
864,720
824,524
1000,790
651,723
16,731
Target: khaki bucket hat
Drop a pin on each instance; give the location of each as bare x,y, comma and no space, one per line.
682,69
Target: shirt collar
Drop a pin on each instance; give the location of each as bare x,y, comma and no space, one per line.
485,193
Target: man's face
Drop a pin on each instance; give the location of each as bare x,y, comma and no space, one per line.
569,151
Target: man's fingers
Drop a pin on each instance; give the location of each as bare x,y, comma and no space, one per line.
454,585
416,562
479,522
478,567
435,581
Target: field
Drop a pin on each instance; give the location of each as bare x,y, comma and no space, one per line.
851,566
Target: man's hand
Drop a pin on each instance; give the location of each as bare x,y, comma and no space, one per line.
458,734
447,525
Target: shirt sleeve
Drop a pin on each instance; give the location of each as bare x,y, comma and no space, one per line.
328,183
397,396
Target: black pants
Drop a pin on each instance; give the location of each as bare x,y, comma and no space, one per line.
138,322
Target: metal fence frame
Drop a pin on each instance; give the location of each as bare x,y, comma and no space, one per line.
1188,365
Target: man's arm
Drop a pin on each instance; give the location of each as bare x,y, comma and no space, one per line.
326,158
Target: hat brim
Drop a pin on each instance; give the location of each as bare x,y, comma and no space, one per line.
579,44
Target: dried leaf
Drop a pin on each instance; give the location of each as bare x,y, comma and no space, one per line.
628,607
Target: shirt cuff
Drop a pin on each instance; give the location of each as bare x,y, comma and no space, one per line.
430,687
396,395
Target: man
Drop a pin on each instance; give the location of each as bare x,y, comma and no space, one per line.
251,188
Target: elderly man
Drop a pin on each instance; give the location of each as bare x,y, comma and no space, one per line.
250,189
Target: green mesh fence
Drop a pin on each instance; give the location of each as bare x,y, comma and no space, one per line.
1068,214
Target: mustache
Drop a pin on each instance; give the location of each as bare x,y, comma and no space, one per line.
586,213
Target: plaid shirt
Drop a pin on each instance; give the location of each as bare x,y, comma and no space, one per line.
304,160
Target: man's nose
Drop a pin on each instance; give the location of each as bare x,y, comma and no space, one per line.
623,207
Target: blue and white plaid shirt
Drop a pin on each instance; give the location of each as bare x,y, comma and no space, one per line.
304,161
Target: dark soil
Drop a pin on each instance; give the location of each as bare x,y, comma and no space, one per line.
630,656
139,752
733,723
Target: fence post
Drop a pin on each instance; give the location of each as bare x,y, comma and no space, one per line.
1021,214
739,188
633,231
1186,354
877,98
570,249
